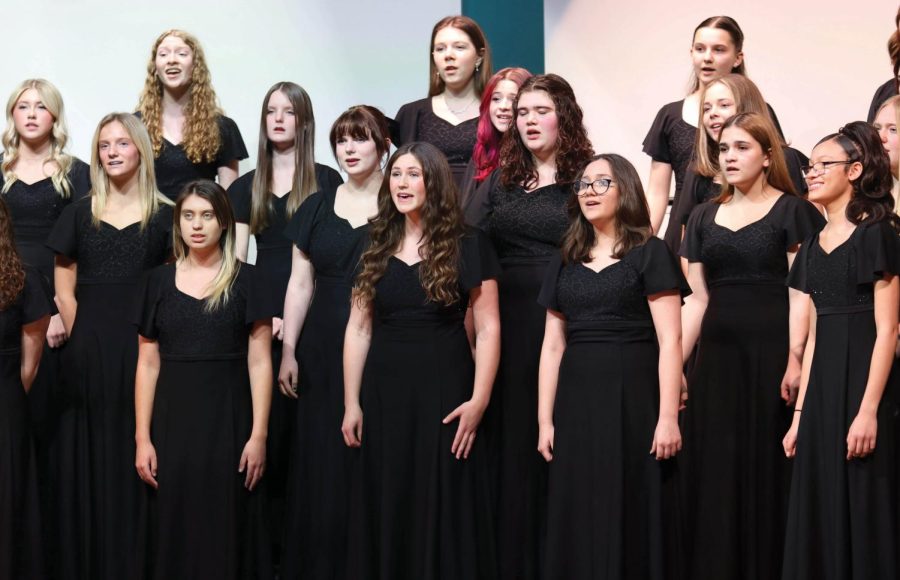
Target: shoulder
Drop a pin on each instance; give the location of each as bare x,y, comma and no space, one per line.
164,213
670,111
327,177
227,124
243,185
79,168
414,107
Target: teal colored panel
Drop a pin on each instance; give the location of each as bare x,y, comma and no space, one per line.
515,30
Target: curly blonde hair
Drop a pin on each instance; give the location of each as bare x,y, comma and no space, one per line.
59,136
202,138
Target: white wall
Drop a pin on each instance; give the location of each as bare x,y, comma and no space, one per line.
817,63
343,53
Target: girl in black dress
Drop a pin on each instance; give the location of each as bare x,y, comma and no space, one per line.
495,119
103,244
202,396
191,137
525,216
886,122
750,336
459,71
325,230
37,181
843,521
889,88
607,392
264,200
720,100
421,506
25,309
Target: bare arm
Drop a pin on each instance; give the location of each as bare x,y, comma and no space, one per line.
486,322
144,394
227,174
32,347
242,238
259,365
552,350
65,275
296,304
658,187
694,308
357,339
665,308
790,439
798,329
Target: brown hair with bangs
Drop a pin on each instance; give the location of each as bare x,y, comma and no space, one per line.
362,122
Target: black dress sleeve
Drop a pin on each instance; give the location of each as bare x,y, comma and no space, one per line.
799,220
692,244
547,296
656,144
482,206
147,299
407,120
63,238
882,93
796,278
240,193
479,262
299,230
80,178
232,146
660,270
327,178
37,299
877,252
775,121
795,160
260,301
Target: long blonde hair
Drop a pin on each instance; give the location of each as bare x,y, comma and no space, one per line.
202,138
151,198
59,136
895,103
304,183
230,266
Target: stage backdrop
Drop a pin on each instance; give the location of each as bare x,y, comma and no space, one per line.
817,63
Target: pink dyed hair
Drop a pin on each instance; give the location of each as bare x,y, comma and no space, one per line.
487,146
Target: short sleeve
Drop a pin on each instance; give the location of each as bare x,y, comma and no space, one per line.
547,295
796,278
300,228
80,179
147,300
240,193
63,238
260,300
660,270
877,252
232,146
656,144
692,244
327,178
37,299
800,220
479,261
482,205
407,123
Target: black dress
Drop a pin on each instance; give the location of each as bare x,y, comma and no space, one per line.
202,522
736,475
315,539
606,493
418,513
882,93
34,209
526,229
96,494
19,514
417,122
174,169
273,257
842,520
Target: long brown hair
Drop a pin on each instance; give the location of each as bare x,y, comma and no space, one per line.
632,215
762,130
442,225
729,25
12,274
304,183
573,147
201,139
436,84
893,47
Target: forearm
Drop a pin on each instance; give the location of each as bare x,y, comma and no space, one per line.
356,348
548,378
798,323
296,306
67,306
670,371
657,201
487,358
261,395
879,370
144,394
32,348
692,316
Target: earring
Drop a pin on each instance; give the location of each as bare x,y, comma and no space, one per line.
477,66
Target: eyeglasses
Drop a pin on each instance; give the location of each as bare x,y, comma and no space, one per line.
822,167
596,187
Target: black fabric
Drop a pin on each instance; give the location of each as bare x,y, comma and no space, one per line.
417,511
856,499
526,224
882,93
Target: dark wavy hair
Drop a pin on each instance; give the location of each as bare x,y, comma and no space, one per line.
729,25
436,84
872,200
442,225
486,154
12,274
632,215
573,148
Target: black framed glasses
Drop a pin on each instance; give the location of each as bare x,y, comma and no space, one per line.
822,167
597,187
